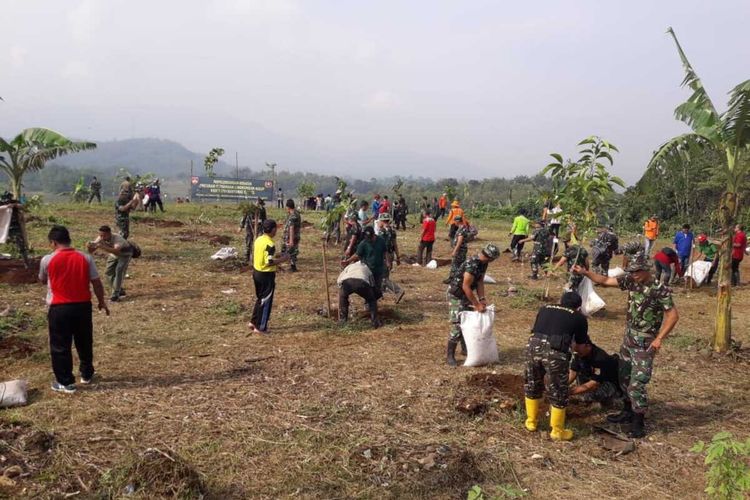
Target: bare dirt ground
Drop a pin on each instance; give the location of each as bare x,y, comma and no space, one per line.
188,404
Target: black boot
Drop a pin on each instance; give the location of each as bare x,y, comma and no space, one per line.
376,323
343,313
451,352
463,347
625,416
637,429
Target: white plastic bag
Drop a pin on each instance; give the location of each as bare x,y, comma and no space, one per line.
432,264
13,393
489,279
481,347
616,272
698,270
591,300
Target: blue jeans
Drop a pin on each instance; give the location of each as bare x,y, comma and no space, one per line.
684,262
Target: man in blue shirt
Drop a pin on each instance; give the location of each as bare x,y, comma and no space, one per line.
683,244
375,206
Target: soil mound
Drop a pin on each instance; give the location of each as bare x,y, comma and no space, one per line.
154,474
14,271
214,239
150,221
505,383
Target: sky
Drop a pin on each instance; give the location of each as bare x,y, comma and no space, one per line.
424,88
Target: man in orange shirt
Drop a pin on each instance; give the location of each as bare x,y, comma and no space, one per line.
650,232
456,210
442,205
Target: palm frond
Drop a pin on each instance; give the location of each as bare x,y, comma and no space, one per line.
677,146
699,111
736,120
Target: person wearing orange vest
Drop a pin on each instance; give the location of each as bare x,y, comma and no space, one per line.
456,210
442,205
650,232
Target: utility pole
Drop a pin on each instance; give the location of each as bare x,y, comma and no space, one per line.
190,182
237,164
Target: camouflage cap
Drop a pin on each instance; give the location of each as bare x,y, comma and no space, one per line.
639,262
491,251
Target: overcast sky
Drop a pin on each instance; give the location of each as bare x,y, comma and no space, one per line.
493,84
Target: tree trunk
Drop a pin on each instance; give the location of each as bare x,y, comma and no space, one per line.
723,333
15,187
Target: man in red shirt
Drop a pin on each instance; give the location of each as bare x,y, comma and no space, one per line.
663,262
69,274
739,243
428,237
385,206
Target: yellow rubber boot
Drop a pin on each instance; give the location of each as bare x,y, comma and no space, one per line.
532,414
557,422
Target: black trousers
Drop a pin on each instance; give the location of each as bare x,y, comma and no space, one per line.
425,246
358,287
515,246
68,324
265,286
736,271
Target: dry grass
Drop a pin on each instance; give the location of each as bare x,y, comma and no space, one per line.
315,411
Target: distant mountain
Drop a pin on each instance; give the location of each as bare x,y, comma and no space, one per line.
163,157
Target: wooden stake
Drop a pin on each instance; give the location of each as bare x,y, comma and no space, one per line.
325,277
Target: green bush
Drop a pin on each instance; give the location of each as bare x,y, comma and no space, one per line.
728,475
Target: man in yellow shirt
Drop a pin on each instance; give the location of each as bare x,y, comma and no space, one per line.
650,232
264,276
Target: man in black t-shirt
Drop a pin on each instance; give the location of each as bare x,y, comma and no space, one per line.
596,374
548,353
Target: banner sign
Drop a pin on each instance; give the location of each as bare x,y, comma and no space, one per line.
230,189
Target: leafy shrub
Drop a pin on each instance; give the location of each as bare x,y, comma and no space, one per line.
728,476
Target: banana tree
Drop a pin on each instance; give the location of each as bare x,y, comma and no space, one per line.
727,133
30,150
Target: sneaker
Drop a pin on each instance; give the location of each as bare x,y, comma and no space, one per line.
114,298
88,381
400,296
67,389
122,293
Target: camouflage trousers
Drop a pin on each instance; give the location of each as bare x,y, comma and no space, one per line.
292,251
122,221
636,367
537,261
249,240
455,306
541,360
605,393
388,284
600,264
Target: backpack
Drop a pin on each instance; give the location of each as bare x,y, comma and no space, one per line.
136,250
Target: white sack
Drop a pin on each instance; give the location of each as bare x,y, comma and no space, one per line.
13,393
489,279
616,272
481,347
225,253
432,264
591,300
6,212
698,270
145,199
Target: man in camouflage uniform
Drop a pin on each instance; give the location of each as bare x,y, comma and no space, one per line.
460,245
540,255
96,190
292,230
602,250
353,234
651,317
388,233
573,255
548,356
123,206
252,223
466,291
